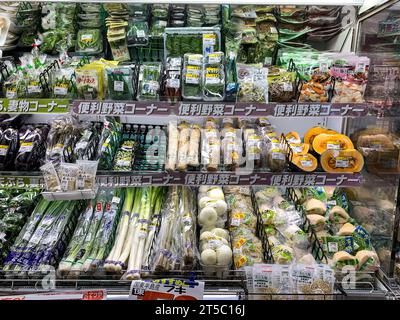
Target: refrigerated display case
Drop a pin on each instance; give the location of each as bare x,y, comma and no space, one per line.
249,148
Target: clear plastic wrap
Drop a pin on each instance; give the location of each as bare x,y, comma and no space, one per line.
212,208
211,148
165,247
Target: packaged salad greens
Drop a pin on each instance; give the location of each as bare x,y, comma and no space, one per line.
149,81
192,77
89,41
214,82
120,82
90,79
61,83
138,33
89,83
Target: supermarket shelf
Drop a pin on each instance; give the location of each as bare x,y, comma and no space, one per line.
220,109
193,108
14,179
289,179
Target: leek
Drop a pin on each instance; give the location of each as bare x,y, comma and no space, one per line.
122,231
87,245
134,217
152,196
78,239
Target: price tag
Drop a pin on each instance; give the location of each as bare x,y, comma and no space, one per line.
166,289
3,150
99,294
141,34
333,145
342,162
26,147
237,219
209,39
119,86
87,38
60,91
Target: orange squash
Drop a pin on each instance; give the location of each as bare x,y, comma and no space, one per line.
293,137
324,141
305,162
342,161
313,132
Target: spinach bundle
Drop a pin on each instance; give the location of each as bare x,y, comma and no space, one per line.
120,83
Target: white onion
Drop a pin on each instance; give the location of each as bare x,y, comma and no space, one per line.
216,194
224,256
221,233
203,201
208,216
209,257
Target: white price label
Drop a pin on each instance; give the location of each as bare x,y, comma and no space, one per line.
287,86
333,247
119,86
306,163
173,83
34,89
278,156
141,34
60,91
342,163
3,150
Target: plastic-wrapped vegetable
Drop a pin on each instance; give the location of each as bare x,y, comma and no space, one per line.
32,150
8,147
89,41
109,142
120,83
247,248
124,157
14,218
149,81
